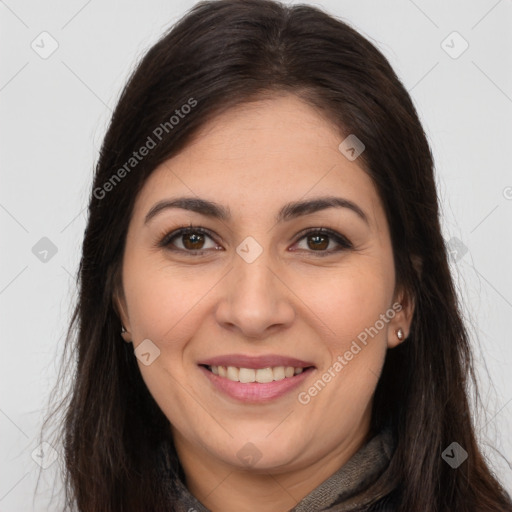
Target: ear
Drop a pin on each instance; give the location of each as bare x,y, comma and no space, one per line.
119,302
404,305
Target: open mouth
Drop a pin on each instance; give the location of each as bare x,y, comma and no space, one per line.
258,375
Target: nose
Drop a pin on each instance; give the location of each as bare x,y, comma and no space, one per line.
254,300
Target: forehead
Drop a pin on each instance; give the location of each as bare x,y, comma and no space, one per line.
260,155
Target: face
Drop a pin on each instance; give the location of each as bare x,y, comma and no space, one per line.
301,298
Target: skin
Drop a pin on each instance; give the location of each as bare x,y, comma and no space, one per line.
254,159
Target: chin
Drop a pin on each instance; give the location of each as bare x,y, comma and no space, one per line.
260,454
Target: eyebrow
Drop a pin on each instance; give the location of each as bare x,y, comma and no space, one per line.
288,212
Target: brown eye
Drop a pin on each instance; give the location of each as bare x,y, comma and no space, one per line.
191,239
319,239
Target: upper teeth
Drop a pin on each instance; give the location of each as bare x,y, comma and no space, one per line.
260,375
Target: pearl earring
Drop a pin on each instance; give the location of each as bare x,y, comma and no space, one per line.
124,331
400,334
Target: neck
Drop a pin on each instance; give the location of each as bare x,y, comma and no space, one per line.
225,488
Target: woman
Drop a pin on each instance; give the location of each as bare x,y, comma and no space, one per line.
266,318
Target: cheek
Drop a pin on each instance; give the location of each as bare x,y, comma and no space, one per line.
165,307
163,300
348,301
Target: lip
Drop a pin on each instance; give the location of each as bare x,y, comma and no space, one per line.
255,392
254,362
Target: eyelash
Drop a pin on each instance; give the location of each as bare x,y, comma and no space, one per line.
338,238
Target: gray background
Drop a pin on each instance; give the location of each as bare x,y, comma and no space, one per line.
54,113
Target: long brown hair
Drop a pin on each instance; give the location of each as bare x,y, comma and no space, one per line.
221,54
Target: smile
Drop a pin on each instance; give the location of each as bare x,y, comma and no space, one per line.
255,378
261,375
